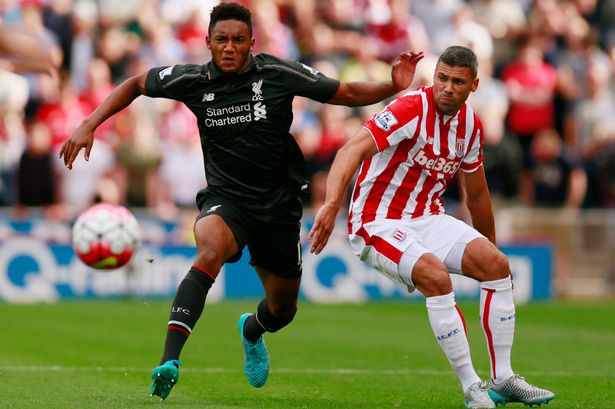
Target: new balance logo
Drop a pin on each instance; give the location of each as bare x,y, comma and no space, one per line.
260,111
436,164
208,96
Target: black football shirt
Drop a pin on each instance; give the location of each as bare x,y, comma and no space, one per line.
244,123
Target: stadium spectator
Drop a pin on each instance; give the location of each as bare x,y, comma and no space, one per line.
254,170
97,87
555,176
465,30
395,29
531,84
602,165
36,178
57,17
181,147
597,106
62,112
138,154
502,151
505,20
21,51
409,151
84,22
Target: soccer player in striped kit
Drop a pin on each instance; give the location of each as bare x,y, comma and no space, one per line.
397,224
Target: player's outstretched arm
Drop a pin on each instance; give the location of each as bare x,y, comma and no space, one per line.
360,93
83,136
357,149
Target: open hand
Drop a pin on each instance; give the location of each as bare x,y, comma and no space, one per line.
402,70
322,228
83,137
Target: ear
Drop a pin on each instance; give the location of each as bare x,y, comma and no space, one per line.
475,84
207,42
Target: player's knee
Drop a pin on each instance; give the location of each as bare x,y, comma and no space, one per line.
498,266
430,276
210,259
276,318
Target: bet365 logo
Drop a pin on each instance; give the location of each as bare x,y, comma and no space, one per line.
436,164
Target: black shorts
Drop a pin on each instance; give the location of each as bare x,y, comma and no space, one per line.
272,237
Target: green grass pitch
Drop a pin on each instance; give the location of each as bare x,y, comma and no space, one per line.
375,355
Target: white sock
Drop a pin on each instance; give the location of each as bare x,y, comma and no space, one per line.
449,329
497,316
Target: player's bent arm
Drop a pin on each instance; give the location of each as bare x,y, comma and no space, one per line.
360,93
359,148
120,98
366,93
83,136
362,146
479,202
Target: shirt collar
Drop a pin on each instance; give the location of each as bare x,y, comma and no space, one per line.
214,72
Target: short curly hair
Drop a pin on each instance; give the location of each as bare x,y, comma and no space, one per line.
230,11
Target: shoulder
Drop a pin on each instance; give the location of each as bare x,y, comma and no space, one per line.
194,70
284,67
173,73
468,116
411,100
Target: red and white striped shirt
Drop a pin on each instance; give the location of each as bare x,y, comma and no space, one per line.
419,151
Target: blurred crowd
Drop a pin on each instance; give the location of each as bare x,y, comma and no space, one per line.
546,95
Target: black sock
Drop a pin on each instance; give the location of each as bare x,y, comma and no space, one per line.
252,330
263,321
186,309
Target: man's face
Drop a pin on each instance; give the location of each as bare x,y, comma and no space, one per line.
230,42
452,87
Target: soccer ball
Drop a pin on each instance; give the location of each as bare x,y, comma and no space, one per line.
106,236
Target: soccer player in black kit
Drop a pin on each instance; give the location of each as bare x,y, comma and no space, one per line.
254,171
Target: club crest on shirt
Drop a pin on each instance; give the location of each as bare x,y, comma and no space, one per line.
460,147
258,91
385,120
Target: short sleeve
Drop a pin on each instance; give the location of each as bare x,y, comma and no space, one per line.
308,82
398,121
171,81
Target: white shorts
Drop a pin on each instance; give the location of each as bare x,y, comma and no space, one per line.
394,246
